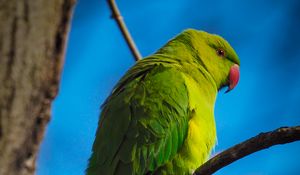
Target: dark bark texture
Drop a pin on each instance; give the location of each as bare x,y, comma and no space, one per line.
32,43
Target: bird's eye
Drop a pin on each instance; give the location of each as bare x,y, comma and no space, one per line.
221,52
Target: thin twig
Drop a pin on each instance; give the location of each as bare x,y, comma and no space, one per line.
262,141
118,17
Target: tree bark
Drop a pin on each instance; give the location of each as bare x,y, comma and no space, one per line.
32,43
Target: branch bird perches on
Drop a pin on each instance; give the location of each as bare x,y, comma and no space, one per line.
262,141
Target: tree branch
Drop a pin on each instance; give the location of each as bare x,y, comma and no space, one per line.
262,141
116,14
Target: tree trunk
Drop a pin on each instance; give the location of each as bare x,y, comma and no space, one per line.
32,43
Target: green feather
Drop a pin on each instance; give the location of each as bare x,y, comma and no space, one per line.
159,117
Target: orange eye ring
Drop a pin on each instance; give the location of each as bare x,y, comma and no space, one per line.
220,52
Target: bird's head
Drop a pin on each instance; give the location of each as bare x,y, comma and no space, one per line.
216,55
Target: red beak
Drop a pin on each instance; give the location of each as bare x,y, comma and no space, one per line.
234,76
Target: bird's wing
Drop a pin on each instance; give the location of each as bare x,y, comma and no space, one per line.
143,123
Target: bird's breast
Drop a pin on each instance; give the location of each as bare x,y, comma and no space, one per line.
201,136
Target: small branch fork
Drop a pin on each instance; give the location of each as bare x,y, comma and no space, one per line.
119,19
262,141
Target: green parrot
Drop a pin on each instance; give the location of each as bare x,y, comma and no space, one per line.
159,118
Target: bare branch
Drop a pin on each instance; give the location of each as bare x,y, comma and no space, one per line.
262,141
118,17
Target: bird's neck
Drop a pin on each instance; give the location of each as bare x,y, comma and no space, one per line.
203,79
188,60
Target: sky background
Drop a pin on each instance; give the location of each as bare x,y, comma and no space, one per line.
265,35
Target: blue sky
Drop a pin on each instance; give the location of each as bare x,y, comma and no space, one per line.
265,35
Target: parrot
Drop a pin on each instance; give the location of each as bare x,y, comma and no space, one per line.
159,118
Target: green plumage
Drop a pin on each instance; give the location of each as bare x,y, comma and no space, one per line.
146,124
